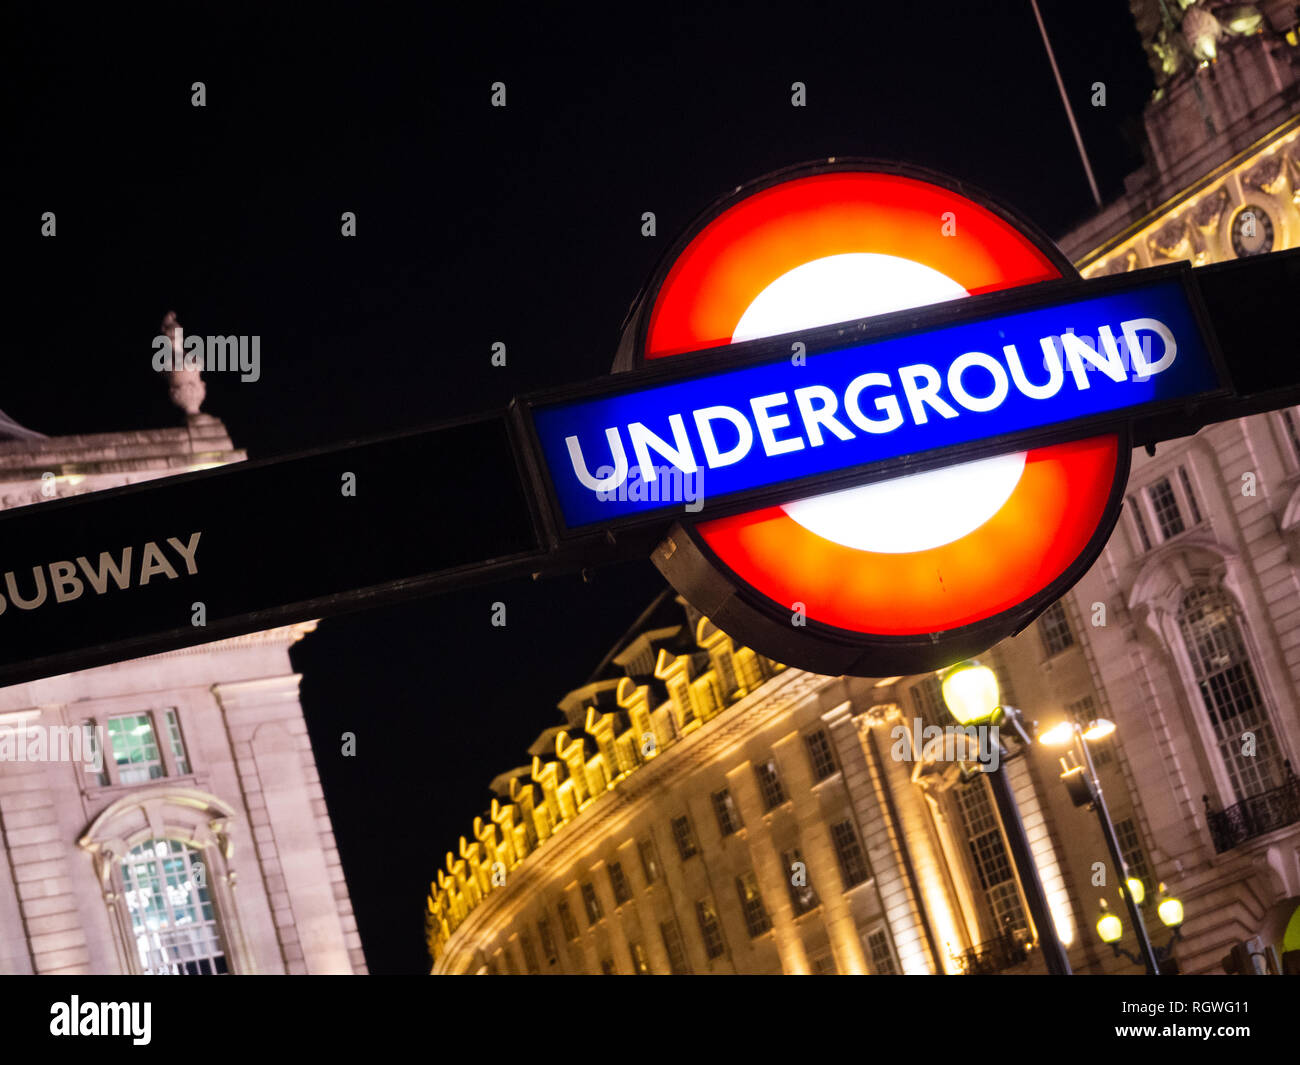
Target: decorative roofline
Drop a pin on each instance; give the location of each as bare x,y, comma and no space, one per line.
624,755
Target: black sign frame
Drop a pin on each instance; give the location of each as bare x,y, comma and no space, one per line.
824,339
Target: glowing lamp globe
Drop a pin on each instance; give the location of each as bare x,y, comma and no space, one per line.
1099,730
1170,910
1058,735
971,692
1109,927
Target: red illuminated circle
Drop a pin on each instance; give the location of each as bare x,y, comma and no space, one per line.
730,266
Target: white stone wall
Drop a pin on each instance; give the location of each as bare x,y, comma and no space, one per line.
1139,662
280,893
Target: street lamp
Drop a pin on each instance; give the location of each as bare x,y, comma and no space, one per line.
1136,889
1110,928
1085,790
1170,910
970,691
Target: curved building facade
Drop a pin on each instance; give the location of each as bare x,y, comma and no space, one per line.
712,811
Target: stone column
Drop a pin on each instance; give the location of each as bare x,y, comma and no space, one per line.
47,936
290,827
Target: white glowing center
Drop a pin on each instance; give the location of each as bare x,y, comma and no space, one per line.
906,514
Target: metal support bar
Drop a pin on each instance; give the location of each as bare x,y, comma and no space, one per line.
203,556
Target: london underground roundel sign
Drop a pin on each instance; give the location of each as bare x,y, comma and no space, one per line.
906,574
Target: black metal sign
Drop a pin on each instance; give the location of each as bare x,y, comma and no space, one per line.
189,559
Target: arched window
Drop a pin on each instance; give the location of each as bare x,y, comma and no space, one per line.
172,918
164,862
1229,690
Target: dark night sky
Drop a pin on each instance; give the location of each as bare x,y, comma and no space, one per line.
474,225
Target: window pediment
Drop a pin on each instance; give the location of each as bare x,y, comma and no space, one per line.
186,814
1170,571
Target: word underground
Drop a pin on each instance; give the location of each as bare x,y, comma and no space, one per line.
761,425
103,1018
950,743
67,586
818,408
54,743
242,354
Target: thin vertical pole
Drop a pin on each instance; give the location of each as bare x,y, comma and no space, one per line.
1117,859
1069,111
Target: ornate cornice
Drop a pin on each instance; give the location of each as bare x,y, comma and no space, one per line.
280,636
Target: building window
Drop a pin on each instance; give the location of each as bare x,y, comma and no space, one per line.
640,963
1139,523
1229,690
802,896
1055,628
680,693
725,670
607,967
989,856
618,883
848,852
591,904
769,784
1130,847
1189,495
751,905
1168,519
684,838
824,965
705,697
819,754
672,934
649,862
882,954
135,749
548,941
172,918
530,954
1172,502
177,744
1083,712
567,922
1292,431
724,806
927,701
710,929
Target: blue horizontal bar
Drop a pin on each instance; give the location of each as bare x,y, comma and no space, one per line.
761,426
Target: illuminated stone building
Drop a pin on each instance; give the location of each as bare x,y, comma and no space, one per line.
1199,657
190,836
702,809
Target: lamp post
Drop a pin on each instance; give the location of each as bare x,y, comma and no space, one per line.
1170,911
1085,789
970,691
